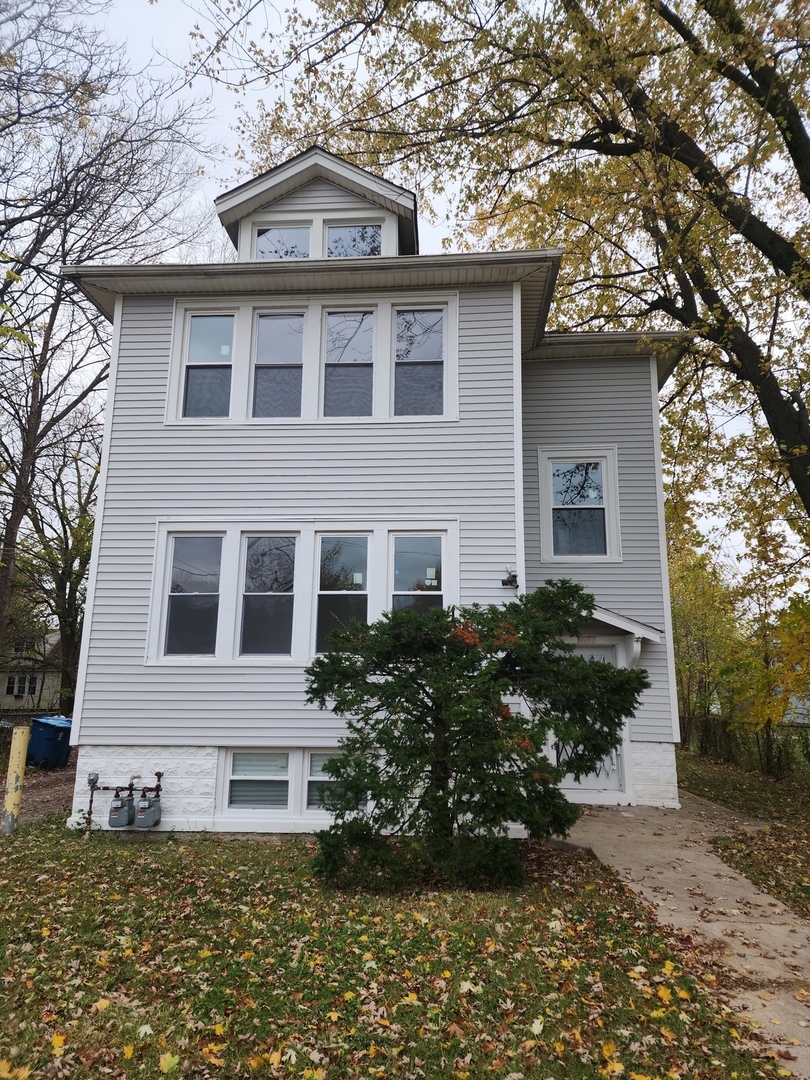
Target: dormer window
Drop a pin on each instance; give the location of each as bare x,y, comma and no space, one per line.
283,242
319,240
353,241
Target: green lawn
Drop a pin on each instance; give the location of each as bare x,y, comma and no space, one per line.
777,857
135,956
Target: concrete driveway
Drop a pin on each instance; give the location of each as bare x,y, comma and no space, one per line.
665,857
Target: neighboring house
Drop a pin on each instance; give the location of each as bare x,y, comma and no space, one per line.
328,428
30,677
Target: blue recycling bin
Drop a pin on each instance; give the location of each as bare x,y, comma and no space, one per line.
49,745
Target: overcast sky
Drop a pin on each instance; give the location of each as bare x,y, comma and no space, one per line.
152,31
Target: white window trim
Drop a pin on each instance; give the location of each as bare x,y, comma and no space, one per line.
181,334
608,456
306,580
317,221
246,312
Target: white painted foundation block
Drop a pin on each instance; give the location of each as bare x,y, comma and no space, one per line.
653,776
189,799
189,783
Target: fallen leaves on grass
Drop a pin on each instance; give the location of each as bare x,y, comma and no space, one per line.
225,958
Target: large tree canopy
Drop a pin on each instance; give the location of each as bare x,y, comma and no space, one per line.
665,144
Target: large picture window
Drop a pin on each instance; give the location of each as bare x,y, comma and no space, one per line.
579,505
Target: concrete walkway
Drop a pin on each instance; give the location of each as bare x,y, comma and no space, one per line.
665,857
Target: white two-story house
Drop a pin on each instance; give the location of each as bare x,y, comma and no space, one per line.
328,428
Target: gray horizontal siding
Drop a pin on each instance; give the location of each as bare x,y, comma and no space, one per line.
320,195
462,469
591,404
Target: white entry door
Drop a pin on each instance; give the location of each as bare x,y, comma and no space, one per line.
608,773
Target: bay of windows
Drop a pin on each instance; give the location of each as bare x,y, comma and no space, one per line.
20,685
265,595
315,361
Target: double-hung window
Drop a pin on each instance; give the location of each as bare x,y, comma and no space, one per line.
419,362
342,585
348,363
579,499
267,597
193,601
209,354
279,364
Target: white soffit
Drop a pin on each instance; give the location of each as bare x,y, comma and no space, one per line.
537,270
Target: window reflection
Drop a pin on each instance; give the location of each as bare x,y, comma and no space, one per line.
279,242
348,241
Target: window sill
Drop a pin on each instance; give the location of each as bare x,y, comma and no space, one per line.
578,560
194,660
298,421
265,821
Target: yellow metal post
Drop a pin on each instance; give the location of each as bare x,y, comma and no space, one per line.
14,780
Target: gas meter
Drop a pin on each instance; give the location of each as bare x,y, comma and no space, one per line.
148,812
122,811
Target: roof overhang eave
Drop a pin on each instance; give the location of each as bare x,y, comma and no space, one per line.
102,284
667,347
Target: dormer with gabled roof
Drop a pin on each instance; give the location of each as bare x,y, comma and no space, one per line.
318,206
